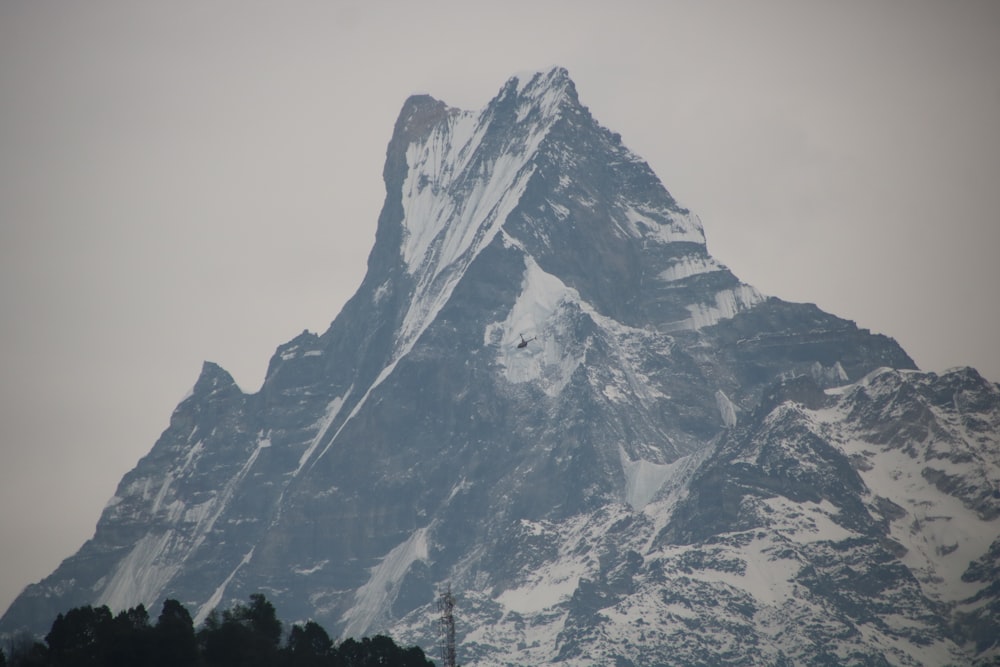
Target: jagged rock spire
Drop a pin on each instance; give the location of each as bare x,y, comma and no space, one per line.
666,435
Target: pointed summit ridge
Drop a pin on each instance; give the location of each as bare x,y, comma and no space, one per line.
466,173
458,189
213,378
547,89
536,163
667,469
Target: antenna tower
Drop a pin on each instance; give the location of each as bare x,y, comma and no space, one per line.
446,604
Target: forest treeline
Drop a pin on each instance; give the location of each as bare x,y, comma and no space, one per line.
246,635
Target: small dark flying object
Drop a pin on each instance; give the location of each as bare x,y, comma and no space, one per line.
524,342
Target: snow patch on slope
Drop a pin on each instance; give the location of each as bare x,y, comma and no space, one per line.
726,409
142,574
942,534
322,426
686,267
553,582
536,314
550,585
372,600
483,213
434,165
455,199
644,479
725,306
807,522
216,598
665,226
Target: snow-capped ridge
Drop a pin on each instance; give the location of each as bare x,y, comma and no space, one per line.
458,191
548,82
536,317
666,469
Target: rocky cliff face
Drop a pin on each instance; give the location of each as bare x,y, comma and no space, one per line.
676,469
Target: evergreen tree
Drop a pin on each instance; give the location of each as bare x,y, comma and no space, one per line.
246,636
79,638
129,640
263,620
309,646
379,651
23,650
174,640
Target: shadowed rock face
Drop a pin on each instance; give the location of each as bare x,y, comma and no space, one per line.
675,470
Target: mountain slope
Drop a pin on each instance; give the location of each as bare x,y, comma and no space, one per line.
663,474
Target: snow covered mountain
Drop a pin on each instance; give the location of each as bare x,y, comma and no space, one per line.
676,469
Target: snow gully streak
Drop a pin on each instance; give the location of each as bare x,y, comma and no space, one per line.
675,470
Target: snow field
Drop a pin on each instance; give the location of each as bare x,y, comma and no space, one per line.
540,313
941,534
373,599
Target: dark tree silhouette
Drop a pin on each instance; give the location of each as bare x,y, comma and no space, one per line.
247,635
79,638
129,639
309,646
379,650
174,640
23,650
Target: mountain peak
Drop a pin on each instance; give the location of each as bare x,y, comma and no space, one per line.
547,395
535,163
553,82
213,379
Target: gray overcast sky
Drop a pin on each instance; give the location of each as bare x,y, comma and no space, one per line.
182,181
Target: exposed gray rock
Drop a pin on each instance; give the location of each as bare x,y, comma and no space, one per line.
675,469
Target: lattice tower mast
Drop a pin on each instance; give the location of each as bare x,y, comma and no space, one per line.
446,604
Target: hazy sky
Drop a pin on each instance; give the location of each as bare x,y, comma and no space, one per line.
182,181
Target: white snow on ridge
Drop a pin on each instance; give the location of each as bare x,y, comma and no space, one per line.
768,575
536,315
553,582
551,585
545,310
807,521
483,213
372,600
690,266
216,598
332,410
142,574
312,569
727,303
644,479
940,533
455,200
433,167
527,83
726,409
679,227
445,200
540,94
451,211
